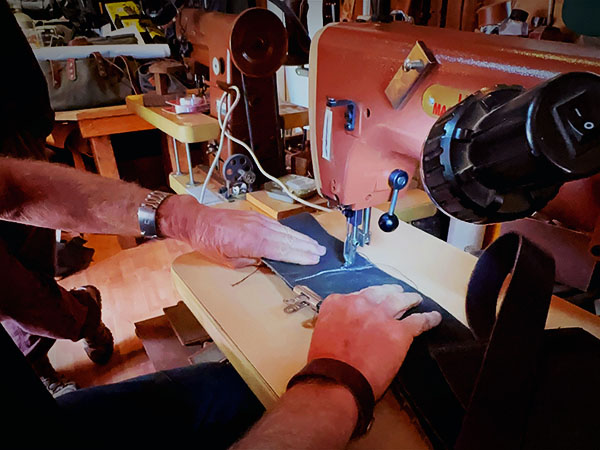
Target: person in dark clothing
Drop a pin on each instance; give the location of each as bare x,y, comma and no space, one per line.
27,118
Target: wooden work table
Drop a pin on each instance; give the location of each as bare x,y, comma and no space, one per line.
243,312
186,129
97,125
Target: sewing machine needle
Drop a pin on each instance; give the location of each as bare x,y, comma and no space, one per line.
350,245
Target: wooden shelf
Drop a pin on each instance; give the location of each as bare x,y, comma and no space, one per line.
188,128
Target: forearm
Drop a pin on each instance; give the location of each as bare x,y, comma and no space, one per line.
59,197
309,416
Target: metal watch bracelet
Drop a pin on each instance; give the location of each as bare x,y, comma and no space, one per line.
147,213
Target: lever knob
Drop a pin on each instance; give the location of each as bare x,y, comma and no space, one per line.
398,181
388,222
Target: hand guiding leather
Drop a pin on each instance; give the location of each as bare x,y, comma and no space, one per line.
361,329
234,238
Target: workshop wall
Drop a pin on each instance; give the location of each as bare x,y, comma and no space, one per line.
297,86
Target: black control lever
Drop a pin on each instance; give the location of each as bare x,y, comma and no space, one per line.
398,181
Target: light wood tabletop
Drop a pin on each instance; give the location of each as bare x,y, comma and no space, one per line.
243,312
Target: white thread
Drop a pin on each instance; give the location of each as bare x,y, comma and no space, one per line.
270,177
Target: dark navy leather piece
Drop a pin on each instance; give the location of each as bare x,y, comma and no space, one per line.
329,276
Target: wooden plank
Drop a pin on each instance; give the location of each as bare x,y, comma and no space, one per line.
91,113
184,324
178,147
78,160
161,344
104,156
178,184
469,16
113,125
394,427
60,133
276,209
102,112
454,14
294,116
188,128
192,128
66,116
229,347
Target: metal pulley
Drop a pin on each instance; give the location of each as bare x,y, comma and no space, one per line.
239,175
258,42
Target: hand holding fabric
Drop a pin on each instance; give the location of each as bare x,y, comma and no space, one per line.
361,330
234,238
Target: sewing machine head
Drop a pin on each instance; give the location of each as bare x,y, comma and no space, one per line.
382,107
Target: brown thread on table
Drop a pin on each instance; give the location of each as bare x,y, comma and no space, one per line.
246,277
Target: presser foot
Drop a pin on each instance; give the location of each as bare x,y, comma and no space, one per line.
357,233
349,252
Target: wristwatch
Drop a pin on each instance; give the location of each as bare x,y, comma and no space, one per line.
147,213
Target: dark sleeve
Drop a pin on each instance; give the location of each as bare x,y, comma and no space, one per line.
25,107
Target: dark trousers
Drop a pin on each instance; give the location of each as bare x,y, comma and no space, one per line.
207,406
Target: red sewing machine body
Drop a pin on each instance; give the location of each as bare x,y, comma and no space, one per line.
244,50
357,61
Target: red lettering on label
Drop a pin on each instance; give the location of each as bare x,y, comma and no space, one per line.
438,109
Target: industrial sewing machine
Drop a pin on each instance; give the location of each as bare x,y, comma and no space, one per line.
494,126
389,99
245,50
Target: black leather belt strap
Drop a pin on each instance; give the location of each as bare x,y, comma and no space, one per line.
497,413
339,372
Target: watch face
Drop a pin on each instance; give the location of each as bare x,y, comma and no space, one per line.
147,213
147,221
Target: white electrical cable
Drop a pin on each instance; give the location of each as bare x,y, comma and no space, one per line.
223,126
270,177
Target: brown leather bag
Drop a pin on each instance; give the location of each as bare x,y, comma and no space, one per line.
89,82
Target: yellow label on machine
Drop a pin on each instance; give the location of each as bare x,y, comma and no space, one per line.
438,99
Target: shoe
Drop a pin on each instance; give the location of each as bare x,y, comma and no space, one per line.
98,341
56,383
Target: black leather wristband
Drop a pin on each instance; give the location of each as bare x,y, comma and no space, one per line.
343,374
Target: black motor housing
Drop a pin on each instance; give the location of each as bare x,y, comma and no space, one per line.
503,153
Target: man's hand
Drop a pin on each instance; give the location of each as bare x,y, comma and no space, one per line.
234,238
361,329
62,198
